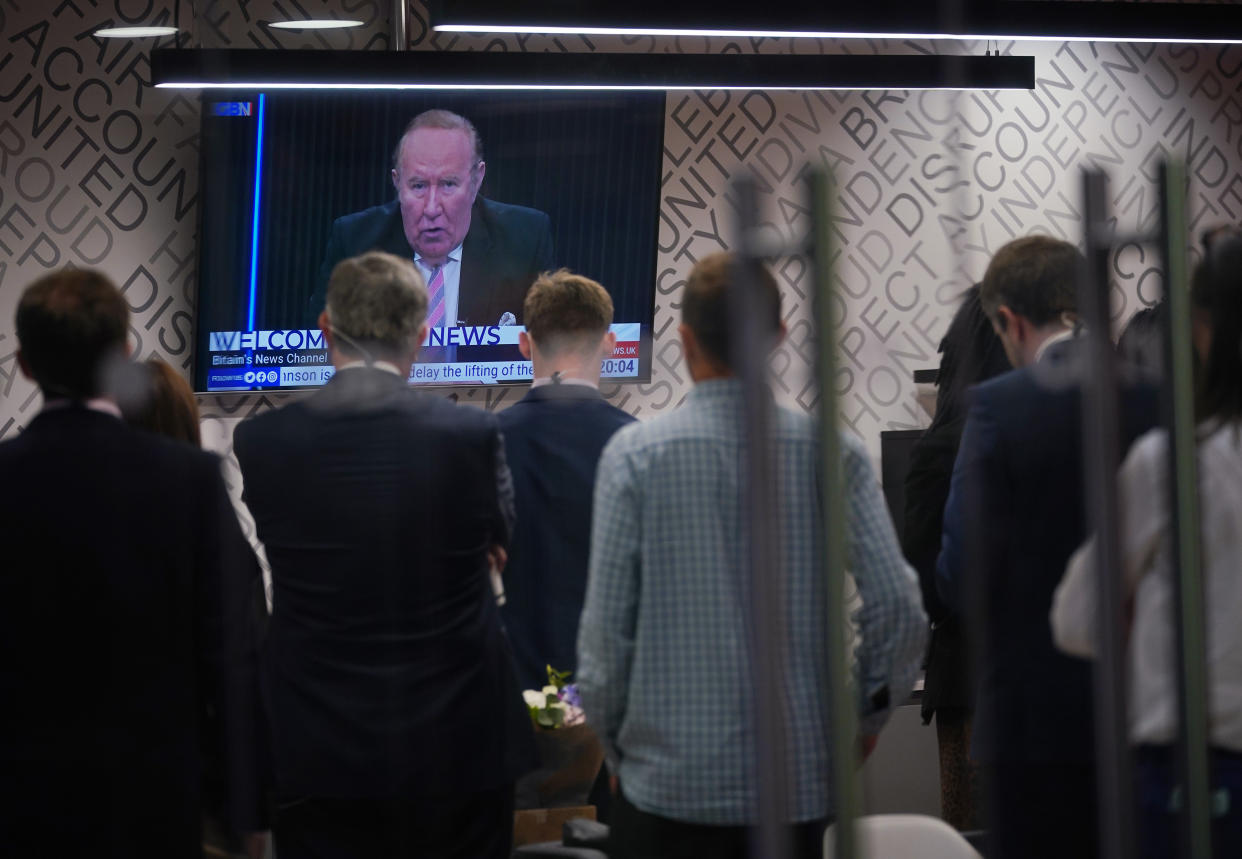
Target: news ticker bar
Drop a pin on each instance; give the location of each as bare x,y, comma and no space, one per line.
460,373
293,339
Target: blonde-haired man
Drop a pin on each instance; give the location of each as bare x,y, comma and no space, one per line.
397,725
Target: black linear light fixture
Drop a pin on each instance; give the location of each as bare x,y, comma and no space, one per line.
1018,20
248,69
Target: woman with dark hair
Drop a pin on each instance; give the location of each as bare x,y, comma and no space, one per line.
165,405
970,353
1216,329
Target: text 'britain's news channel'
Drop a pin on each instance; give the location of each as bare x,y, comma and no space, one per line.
298,358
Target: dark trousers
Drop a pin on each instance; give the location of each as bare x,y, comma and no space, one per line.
959,780
1160,802
637,834
1036,811
471,826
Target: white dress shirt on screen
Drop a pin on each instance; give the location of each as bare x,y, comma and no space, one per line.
452,282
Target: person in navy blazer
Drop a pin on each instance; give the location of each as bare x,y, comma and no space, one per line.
553,439
1014,516
491,252
129,613
398,725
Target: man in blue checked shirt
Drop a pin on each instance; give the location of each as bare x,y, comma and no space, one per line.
663,671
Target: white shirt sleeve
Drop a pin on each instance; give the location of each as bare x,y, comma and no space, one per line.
1144,520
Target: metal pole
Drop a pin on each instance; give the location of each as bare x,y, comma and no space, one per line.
1179,420
842,730
399,26
1101,435
750,346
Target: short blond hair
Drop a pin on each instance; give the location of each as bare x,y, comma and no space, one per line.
564,312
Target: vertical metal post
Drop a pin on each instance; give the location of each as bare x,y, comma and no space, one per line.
841,728
1179,420
1101,435
749,347
399,26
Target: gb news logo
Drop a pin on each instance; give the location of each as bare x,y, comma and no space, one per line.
261,377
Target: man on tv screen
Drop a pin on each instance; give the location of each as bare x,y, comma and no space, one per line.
478,256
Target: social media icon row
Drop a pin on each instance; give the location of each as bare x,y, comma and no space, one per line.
260,377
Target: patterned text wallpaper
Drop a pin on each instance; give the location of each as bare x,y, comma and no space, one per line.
97,169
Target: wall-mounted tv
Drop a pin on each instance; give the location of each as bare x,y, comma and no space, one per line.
293,181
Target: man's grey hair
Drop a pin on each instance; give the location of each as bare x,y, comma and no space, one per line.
447,121
378,301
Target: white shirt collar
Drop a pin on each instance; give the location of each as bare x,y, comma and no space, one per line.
95,404
564,380
376,365
1059,337
453,256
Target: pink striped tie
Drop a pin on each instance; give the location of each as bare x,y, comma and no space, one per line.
435,298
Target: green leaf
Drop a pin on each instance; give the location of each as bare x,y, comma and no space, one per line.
558,678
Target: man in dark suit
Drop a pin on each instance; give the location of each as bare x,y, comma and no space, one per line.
398,726
553,439
128,658
1014,516
478,257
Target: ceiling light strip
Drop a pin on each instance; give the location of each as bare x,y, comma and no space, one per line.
134,32
539,29
963,20
702,87
314,24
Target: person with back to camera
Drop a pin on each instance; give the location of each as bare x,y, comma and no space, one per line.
398,725
128,660
165,404
477,256
664,673
553,439
1015,514
971,353
1146,564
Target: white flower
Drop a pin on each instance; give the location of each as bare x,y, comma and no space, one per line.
549,690
535,699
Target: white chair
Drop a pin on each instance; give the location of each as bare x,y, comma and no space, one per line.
904,836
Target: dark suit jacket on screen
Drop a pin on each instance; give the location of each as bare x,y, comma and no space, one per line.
386,671
504,250
1018,487
128,659
553,439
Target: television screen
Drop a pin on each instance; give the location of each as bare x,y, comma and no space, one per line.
295,181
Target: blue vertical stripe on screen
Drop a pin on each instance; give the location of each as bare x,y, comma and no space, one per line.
254,223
